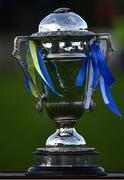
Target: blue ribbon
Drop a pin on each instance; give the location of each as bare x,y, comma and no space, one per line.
54,67
44,72
43,67
99,63
111,105
81,74
27,80
101,70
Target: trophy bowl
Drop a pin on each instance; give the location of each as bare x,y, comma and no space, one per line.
62,69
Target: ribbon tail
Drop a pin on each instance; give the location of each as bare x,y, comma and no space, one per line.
43,67
107,97
54,67
27,84
95,69
40,66
30,68
90,81
103,69
81,74
45,72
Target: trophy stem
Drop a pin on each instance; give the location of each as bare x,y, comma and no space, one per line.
65,137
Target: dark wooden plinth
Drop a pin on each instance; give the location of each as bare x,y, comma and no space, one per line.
22,175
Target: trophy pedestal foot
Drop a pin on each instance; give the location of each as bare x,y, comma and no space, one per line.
66,161
66,171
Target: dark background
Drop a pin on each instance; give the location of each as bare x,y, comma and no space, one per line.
22,129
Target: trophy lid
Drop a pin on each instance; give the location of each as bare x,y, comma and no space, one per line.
62,22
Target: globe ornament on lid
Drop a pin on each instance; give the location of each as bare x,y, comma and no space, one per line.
63,64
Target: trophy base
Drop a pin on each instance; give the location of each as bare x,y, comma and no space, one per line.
66,161
66,171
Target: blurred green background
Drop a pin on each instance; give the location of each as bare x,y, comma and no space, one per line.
22,129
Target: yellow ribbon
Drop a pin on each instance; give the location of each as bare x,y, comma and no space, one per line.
33,63
35,60
30,68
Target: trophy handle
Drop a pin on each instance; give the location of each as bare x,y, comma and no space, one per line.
17,54
110,49
107,37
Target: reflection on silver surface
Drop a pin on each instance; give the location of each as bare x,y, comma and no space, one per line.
64,137
67,21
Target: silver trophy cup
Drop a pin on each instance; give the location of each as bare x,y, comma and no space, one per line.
63,40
